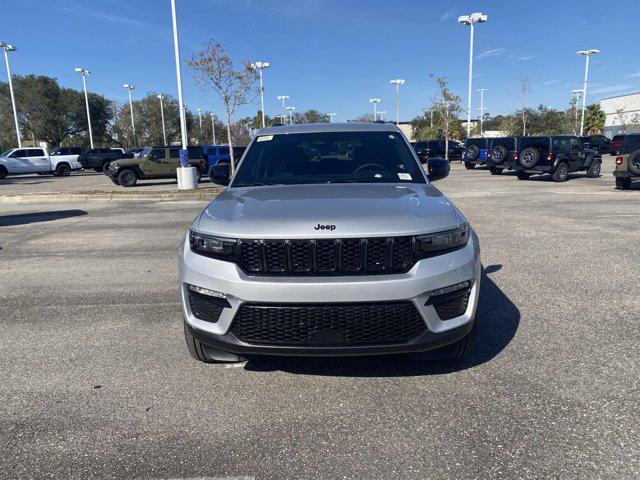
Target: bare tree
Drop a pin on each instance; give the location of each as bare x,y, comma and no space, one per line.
446,108
523,91
213,69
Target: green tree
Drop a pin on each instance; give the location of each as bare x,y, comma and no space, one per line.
594,119
213,69
311,116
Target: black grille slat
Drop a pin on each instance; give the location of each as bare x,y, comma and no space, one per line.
346,256
326,256
328,324
251,255
377,254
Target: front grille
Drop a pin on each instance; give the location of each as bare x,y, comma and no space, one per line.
452,306
348,256
328,324
206,308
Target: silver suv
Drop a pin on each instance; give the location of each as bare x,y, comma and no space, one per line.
329,241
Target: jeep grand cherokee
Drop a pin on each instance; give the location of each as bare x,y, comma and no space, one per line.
329,241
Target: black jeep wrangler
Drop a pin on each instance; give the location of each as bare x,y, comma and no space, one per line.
502,152
557,155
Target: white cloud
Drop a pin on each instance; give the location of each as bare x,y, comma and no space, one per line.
448,14
550,82
634,75
612,88
491,52
525,58
79,9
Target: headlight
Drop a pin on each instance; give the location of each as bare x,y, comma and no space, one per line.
433,243
223,248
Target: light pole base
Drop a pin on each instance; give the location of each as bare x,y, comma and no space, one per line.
187,178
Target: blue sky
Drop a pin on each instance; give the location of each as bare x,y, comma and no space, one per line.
334,55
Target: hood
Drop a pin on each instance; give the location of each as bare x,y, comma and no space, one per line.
344,210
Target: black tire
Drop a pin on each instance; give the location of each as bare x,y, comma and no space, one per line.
499,154
495,171
623,183
63,170
633,163
529,157
3,173
523,175
469,165
562,172
97,170
472,152
127,178
594,169
105,167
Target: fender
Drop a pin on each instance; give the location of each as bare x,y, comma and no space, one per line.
560,158
592,157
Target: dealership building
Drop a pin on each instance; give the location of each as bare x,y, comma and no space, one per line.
622,114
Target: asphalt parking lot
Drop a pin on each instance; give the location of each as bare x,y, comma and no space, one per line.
97,382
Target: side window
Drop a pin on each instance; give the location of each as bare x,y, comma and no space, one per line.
156,154
18,153
174,153
36,152
223,151
576,146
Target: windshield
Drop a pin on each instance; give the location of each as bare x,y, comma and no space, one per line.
4,154
478,142
144,152
328,157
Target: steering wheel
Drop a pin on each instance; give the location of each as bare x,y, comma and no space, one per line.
363,167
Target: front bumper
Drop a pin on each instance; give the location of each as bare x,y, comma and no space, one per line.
414,286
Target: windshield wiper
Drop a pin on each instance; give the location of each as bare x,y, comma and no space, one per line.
348,180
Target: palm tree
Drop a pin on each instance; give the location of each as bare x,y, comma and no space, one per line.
594,119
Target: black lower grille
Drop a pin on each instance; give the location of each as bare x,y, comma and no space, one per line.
347,256
328,324
206,308
453,306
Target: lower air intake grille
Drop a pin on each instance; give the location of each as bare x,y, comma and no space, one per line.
328,324
453,306
206,308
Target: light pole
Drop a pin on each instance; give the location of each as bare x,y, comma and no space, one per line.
283,98
10,48
85,74
331,115
164,131
577,92
199,110
261,66
375,102
130,87
397,82
291,109
183,120
213,127
282,118
381,113
482,109
471,20
587,54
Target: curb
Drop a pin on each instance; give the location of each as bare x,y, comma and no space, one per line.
189,195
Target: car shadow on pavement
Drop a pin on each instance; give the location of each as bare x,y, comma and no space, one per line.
37,217
497,320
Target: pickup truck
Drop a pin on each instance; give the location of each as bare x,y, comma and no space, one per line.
100,158
18,161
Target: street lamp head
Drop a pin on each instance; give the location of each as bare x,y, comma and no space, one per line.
374,100
473,18
8,47
397,81
577,90
198,110
464,19
161,97
283,97
260,65
588,52
290,108
128,86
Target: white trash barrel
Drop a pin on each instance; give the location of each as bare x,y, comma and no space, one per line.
187,178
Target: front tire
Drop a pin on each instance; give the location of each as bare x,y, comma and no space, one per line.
495,171
623,183
594,170
127,178
523,175
3,173
205,354
562,173
105,167
469,165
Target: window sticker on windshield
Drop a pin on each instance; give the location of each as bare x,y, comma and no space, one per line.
264,138
404,176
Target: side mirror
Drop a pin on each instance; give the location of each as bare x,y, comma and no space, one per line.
437,168
220,173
